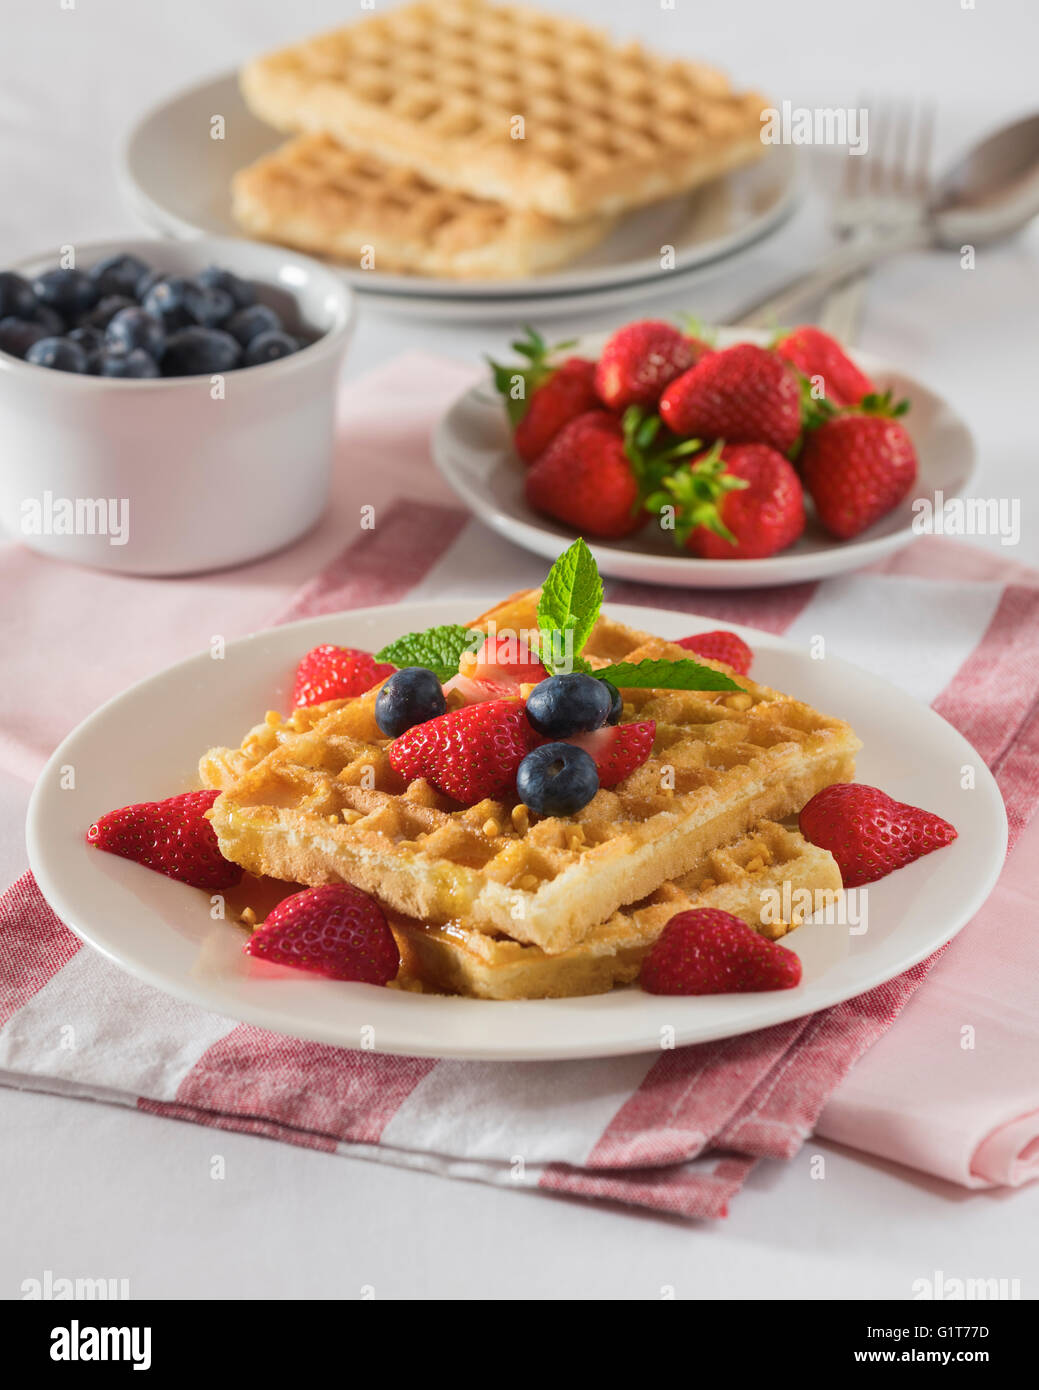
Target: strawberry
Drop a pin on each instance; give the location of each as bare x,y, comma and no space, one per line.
743,394
706,951
336,673
504,659
735,502
585,477
468,753
568,392
335,930
618,750
869,833
858,466
721,646
816,354
640,360
172,837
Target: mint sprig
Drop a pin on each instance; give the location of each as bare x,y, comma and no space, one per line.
666,675
439,649
570,600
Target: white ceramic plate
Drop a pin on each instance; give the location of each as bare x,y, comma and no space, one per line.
472,448
161,931
178,180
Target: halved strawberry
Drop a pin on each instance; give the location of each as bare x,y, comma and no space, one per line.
618,750
172,836
503,659
335,930
469,753
707,951
720,646
337,673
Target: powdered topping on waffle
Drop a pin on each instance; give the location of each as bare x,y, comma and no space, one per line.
507,103
314,194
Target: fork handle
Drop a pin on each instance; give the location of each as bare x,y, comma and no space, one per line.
840,265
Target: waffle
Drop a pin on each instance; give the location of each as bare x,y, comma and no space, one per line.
441,86
325,806
314,194
461,960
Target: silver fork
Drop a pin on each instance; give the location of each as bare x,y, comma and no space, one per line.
887,185
880,210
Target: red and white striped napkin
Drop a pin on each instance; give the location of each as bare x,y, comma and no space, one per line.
676,1133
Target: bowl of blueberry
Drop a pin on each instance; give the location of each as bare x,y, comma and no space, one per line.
168,407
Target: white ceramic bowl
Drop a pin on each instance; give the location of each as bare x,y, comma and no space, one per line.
201,481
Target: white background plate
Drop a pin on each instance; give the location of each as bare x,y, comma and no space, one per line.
181,194
472,448
145,745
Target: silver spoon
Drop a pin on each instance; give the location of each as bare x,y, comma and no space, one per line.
990,193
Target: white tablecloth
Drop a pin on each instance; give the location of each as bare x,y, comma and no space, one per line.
95,1191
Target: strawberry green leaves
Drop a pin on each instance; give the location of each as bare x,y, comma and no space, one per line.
517,384
438,649
696,494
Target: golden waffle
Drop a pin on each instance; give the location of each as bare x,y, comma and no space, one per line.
742,879
325,806
508,103
314,194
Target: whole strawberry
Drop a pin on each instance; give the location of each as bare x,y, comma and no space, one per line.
735,502
721,646
618,749
335,930
640,360
568,392
816,354
743,394
869,833
542,394
857,467
468,753
172,837
586,478
336,673
707,951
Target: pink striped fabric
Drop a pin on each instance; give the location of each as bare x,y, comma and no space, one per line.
677,1134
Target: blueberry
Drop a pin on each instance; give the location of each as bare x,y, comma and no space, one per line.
410,696
241,291
16,297
127,364
570,704
213,308
194,351
145,282
70,292
135,328
176,301
58,353
268,347
249,323
616,703
91,340
106,309
557,779
17,335
118,274
50,321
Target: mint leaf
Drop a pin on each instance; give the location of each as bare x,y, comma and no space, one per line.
439,649
570,601
666,675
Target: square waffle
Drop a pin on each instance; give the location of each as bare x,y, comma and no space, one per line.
314,194
507,103
741,877
325,806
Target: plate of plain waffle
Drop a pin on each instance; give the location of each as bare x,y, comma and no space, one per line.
472,447
306,796
467,150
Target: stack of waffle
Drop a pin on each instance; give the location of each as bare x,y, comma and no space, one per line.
490,900
465,139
